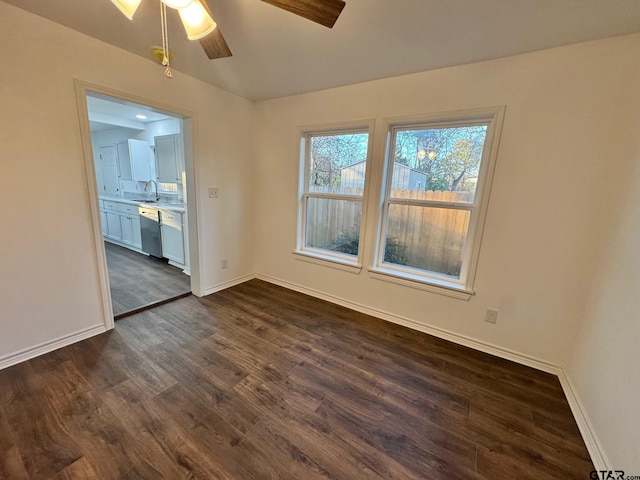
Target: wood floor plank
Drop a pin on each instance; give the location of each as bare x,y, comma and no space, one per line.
202,386
257,381
287,410
305,454
382,371
429,453
45,445
81,469
136,280
142,331
161,439
11,465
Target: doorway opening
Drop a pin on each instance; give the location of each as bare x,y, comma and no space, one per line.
140,160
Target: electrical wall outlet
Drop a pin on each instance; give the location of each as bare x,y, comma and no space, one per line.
491,316
224,263
214,192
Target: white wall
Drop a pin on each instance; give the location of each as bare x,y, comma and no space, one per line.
111,136
49,284
605,366
544,218
162,127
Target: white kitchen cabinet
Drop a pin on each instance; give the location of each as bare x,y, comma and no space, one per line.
172,239
137,236
168,158
127,230
135,160
114,228
124,162
130,226
122,224
109,167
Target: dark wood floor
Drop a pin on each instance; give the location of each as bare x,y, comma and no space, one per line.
137,280
261,382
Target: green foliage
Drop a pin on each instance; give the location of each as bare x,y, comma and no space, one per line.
395,252
347,242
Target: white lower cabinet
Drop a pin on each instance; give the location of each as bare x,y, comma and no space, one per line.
172,239
137,237
121,224
114,228
127,230
131,230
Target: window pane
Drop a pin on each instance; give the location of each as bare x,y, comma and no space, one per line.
333,225
337,163
427,238
437,163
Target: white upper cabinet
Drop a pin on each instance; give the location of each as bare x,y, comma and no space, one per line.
124,163
168,158
135,160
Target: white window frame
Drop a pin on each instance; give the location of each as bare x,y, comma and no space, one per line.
318,255
461,287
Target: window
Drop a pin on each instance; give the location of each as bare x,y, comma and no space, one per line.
332,185
438,174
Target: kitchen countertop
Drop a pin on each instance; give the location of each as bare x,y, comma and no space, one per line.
175,207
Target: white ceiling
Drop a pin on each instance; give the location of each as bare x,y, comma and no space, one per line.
108,112
276,53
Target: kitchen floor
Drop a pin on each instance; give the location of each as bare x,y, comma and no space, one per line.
137,280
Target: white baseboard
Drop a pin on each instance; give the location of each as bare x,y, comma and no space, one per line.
50,346
431,330
227,284
598,457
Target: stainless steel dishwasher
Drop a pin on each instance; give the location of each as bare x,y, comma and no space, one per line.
150,231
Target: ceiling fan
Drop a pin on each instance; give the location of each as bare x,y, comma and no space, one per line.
199,24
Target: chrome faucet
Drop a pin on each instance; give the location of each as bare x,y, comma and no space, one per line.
157,194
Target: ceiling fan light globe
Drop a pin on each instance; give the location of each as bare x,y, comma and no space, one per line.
177,4
196,21
128,7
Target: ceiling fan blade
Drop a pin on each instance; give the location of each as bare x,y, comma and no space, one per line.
215,46
324,12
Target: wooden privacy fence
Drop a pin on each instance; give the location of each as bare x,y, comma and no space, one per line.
428,238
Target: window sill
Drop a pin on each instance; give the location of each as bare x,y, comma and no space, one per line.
328,261
432,285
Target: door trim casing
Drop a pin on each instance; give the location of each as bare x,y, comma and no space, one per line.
189,122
